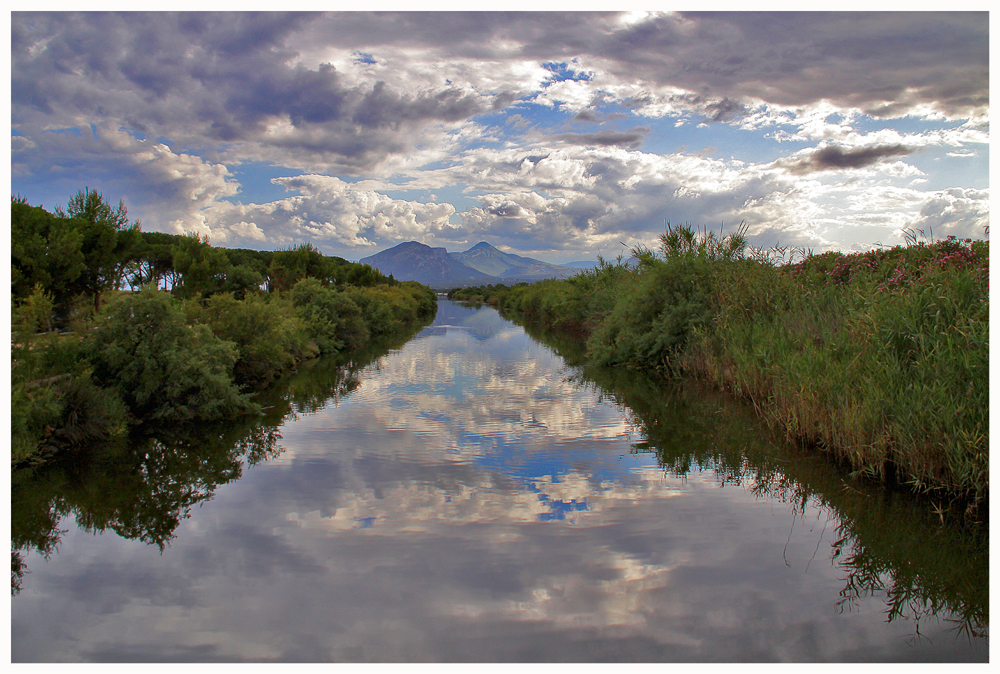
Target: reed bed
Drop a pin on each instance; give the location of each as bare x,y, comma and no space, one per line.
880,358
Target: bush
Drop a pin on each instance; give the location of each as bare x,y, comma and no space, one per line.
331,319
265,334
33,412
650,327
164,369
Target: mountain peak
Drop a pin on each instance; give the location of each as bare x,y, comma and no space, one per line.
483,263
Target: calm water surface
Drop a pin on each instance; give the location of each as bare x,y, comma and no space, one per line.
471,496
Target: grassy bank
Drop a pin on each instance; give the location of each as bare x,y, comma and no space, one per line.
880,358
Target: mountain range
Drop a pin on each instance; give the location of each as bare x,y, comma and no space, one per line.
482,264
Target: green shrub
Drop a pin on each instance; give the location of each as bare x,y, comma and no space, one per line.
650,327
264,332
164,369
33,412
331,318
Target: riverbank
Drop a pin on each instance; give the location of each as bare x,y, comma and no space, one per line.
148,357
880,359
90,361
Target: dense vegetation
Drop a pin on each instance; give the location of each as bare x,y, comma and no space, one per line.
113,327
881,357
142,488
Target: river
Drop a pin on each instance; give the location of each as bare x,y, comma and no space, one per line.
471,495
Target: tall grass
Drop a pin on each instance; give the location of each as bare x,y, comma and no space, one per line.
880,358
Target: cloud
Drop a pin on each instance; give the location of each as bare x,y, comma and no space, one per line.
450,101
233,78
726,110
631,139
173,185
199,82
963,213
833,157
328,212
928,62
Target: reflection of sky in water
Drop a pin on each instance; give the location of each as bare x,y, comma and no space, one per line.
467,502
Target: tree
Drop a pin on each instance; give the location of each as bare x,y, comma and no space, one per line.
109,240
46,252
154,260
203,270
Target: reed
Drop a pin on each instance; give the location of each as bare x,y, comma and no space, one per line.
880,358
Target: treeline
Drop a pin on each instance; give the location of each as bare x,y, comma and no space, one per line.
880,358
113,327
91,248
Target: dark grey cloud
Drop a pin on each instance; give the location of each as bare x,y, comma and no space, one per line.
885,63
834,157
205,78
593,117
200,78
726,110
631,139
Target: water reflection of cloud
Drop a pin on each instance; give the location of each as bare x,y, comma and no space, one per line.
427,517
404,506
471,583
472,404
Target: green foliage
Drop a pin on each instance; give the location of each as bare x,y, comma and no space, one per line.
46,252
288,267
201,269
163,368
346,318
649,328
33,410
881,358
263,331
142,355
331,318
109,241
54,403
154,261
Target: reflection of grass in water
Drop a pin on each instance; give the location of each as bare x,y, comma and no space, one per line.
889,543
143,487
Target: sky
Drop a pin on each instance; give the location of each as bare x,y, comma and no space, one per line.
559,135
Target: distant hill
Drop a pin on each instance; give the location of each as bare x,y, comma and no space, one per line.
489,260
413,261
481,264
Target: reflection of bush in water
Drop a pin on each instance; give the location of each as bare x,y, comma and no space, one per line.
140,489
143,487
320,381
889,543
